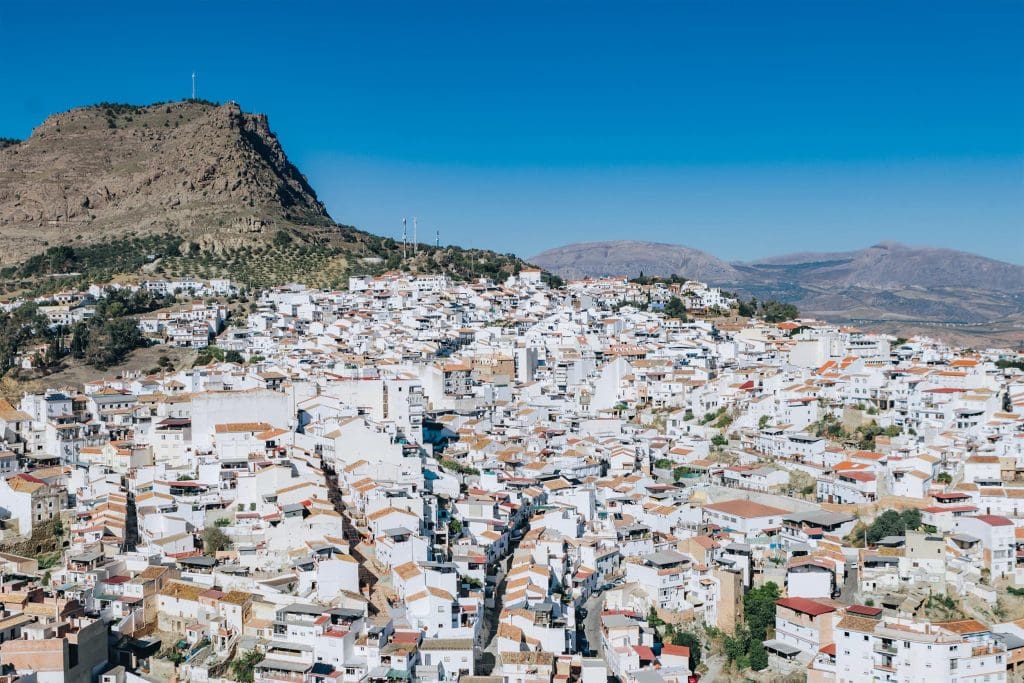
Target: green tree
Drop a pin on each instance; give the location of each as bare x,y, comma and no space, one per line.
892,523
243,667
674,308
773,311
737,645
282,238
758,657
759,609
215,540
745,647
911,519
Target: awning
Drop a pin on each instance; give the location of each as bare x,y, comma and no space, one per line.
781,648
281,665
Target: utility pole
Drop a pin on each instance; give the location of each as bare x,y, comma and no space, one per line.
405,238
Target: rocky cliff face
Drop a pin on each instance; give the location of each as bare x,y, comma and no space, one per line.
212,174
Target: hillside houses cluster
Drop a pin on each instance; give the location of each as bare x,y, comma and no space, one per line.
419,479
189,325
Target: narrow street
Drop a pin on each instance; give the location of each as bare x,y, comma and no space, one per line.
848,593
489,654
366,577
592,623
131,525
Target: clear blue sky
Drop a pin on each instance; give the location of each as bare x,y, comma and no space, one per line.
744,128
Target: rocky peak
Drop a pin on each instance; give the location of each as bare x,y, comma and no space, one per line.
211,173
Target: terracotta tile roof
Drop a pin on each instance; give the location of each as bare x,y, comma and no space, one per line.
860,624
805,606
241,427
746,509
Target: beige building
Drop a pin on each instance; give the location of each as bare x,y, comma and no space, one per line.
30,501
71,651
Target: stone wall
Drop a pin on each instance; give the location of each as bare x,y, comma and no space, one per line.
43,540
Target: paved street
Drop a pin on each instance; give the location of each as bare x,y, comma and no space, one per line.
848,594
488,656
592,622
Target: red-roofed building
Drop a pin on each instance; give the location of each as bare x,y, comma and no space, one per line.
848,485
943,517
645,653
675,656
952,498
804,624
822,668
864,611
807,606
998,542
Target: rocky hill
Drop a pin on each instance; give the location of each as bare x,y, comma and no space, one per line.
209,173
886,281
186,187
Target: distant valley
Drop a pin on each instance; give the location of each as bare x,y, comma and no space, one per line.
887,282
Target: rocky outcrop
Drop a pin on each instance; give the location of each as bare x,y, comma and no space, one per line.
212,174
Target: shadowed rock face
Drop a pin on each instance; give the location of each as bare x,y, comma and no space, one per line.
887,281
212,174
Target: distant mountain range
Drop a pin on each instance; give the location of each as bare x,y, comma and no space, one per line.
884,282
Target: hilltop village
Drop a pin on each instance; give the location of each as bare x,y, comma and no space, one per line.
422,480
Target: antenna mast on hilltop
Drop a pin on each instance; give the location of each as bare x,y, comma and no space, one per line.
193,85
437,239
415,239
405,238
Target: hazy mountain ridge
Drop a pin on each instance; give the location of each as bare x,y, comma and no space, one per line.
628,257
887,281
